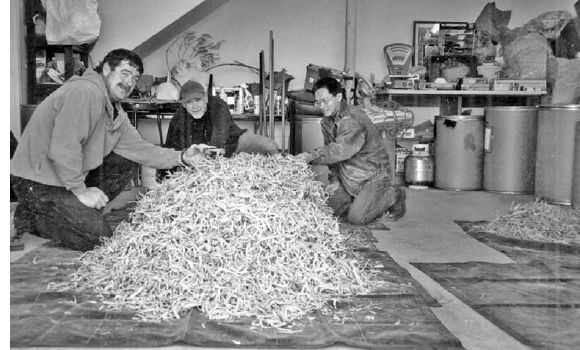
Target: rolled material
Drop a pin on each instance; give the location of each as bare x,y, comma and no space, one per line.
510,149
555,152
459,152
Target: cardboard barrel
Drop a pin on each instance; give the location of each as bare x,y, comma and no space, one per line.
576,171
555,152
510,149
459,152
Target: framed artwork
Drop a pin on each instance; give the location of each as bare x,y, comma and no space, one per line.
436,38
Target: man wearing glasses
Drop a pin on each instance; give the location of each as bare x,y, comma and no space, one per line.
360,181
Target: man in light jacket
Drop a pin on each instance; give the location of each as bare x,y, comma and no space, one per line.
78,151
361,184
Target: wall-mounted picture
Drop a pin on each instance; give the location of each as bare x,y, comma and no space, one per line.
432,38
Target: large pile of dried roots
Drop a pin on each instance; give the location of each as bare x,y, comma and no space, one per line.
537,221
245,236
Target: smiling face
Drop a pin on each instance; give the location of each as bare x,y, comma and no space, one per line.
327,102
120,80
196,106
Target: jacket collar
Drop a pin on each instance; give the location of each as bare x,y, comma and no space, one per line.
342,110
98,80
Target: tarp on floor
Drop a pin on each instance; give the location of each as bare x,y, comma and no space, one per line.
393,317
536,300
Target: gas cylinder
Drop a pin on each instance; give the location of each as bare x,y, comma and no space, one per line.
419,167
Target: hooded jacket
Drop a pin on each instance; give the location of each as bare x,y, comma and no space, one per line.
73,129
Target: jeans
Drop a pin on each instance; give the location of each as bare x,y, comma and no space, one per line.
55,213
374,199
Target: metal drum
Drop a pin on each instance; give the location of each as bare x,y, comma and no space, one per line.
509,164
308,135
459,152
419,171
555,152
576,171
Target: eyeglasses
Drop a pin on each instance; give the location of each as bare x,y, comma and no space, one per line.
323,102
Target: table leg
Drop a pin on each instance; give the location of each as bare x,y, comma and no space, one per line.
160,128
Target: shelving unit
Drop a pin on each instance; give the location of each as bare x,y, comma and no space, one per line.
37,46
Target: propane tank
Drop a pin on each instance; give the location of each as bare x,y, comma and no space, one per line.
419,167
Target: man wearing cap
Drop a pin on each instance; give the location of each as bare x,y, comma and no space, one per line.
204,119
78,151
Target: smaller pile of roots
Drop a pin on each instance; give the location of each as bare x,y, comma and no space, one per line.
537,221
248,236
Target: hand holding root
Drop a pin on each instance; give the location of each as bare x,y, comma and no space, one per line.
93,197
332,187
304,156
198,153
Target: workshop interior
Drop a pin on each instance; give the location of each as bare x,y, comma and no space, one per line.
475,106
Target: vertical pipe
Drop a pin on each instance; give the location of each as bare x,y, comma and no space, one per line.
283,111
261,107
350,48
272,100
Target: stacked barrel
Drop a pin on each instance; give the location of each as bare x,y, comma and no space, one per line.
512,149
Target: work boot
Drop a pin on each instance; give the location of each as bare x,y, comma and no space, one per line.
397,210
17,242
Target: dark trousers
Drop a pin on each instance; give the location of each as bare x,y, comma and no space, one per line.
55,213
373,200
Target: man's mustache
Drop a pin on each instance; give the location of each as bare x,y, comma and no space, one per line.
125,87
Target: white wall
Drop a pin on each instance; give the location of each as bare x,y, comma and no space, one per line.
305,31
313,31
128,23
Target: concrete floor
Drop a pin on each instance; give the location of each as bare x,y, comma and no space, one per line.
427,233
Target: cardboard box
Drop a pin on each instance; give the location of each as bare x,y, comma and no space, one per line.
314,72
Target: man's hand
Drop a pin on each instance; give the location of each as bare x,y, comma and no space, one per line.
211,151
197,153
304,156
193,155
332,187
93,197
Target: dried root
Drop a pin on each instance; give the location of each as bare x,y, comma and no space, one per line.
245,236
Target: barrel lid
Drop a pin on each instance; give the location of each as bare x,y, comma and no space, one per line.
460,117
560,106
511,108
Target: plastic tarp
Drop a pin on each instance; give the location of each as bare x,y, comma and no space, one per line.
536,300
396,315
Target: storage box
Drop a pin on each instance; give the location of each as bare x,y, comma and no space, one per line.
314,72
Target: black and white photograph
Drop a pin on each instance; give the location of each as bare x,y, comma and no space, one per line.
293,174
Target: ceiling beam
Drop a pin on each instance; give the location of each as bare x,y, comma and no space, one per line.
178,26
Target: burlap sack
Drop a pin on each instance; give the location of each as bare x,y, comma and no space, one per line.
563,79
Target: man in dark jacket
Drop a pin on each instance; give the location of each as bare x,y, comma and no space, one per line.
204,119
361,183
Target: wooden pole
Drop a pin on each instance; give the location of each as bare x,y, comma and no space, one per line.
350,48
261,102
283,111
272,99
